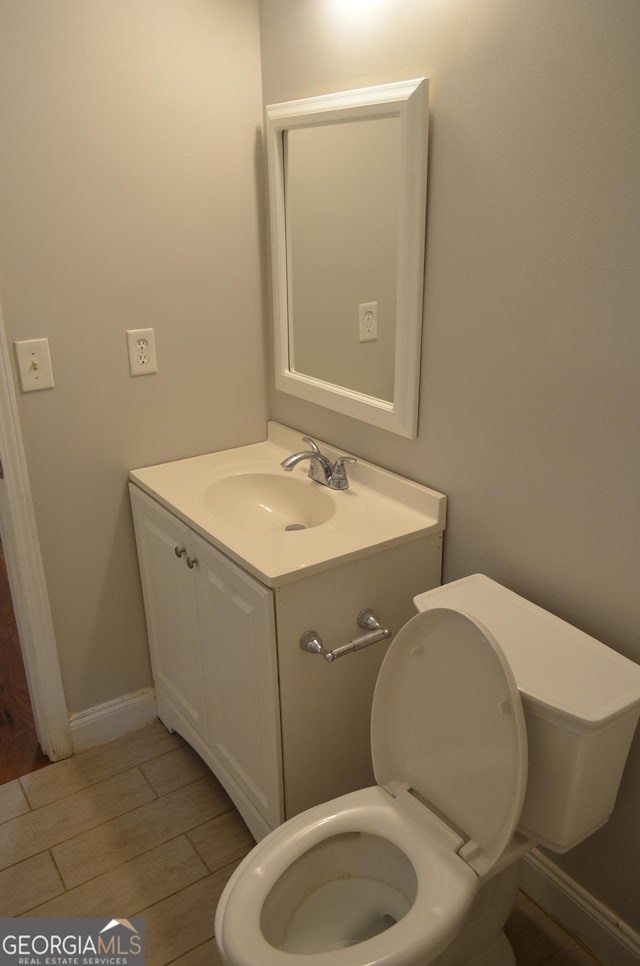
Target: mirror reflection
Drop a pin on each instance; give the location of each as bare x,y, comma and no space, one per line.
342,203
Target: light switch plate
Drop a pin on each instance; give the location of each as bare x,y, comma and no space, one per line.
34,364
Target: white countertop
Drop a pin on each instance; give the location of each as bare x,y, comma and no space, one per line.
379,510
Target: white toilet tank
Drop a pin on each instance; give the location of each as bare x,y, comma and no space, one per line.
581,701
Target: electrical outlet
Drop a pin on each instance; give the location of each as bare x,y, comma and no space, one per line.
368,321
141,344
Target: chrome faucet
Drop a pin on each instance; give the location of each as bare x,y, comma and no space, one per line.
321,469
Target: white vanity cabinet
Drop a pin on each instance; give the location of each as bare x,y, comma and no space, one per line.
230,588
212,643
240,676
282,729
168,584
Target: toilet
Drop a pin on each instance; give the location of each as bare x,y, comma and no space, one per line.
495,727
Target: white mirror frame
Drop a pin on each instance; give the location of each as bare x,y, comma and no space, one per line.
408,101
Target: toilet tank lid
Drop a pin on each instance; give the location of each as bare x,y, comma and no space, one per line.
554,663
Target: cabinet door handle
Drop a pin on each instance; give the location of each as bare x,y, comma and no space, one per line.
179,551
191,562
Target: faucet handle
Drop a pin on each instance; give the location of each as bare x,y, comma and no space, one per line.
312,443
339,473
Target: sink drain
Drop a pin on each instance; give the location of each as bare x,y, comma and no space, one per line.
296,526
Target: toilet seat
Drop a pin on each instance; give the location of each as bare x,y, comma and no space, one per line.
447,721
446,712
428,925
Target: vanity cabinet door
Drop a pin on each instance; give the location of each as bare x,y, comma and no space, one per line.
168,588
237,633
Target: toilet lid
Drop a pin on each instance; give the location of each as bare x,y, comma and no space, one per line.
447,722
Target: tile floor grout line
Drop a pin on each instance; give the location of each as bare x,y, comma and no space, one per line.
58,873
189,832
91,784
175,892
63,841
24,912
107,777
93,878
3,821
148,781
185,952
134,858
26,797
197,850
177,788
171,838
122,865
110,774
116,818
27,858
118,773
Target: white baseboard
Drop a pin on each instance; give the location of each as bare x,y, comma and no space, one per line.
97,725
610,939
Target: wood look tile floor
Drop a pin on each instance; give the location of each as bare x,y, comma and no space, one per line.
140,827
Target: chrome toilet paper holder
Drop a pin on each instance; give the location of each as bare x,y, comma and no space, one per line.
311,641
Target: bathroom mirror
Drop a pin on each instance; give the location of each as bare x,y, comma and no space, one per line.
347,191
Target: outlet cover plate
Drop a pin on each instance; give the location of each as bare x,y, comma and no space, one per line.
368,321
141,344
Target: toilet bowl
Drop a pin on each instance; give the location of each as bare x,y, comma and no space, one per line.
390,875
340,881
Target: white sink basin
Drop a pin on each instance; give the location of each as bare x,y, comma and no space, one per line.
264,501
242,501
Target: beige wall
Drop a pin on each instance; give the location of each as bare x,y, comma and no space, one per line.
530,402
128,198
